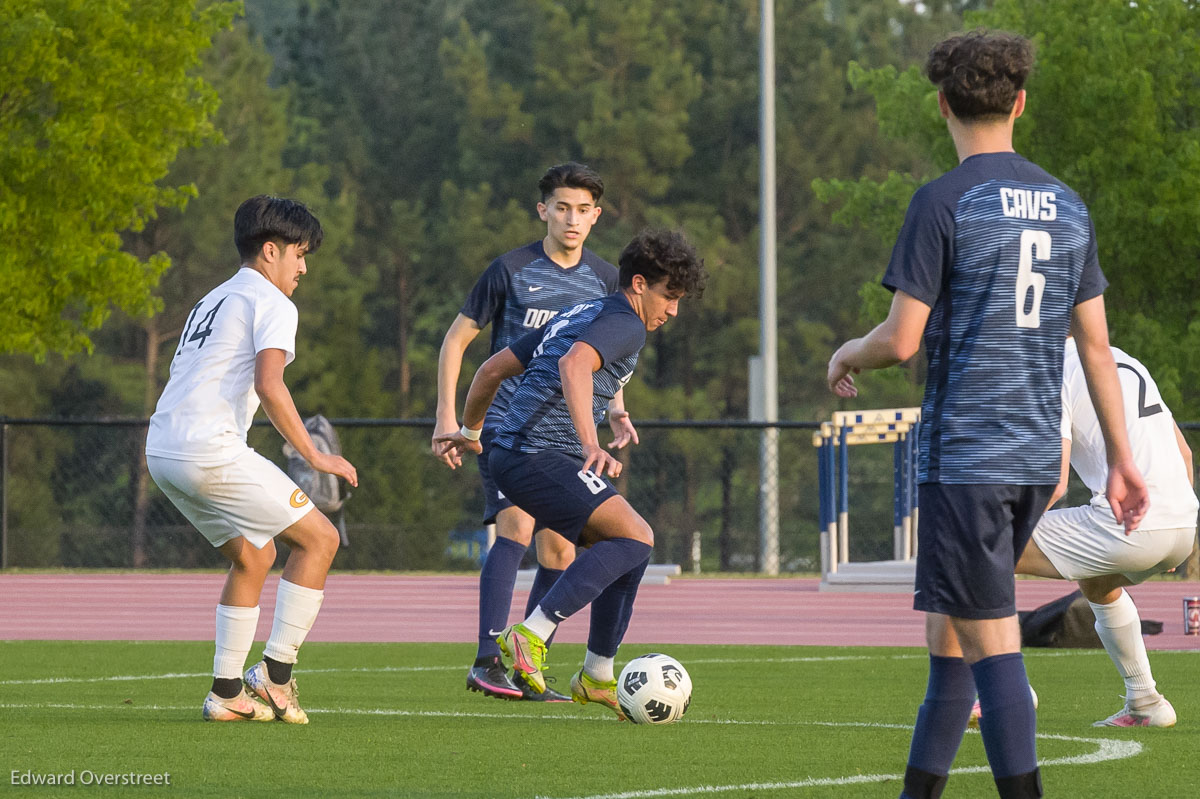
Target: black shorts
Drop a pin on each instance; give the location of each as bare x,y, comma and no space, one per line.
550,486
970,539
494,500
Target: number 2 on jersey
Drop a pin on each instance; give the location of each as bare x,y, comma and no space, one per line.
203,328
1034,244
1144,410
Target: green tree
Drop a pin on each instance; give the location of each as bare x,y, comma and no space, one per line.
97,98
1111,112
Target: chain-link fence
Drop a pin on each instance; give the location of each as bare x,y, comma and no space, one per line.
76,493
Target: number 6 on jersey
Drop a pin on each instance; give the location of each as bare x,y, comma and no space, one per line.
1035,244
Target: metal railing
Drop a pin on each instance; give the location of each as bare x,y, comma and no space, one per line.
75,493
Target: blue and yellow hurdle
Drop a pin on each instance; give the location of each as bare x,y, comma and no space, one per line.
899,427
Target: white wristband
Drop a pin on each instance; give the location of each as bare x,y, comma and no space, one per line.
469,434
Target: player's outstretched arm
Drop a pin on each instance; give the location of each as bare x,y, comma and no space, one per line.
462,332
494,371
1126,490
281,410
619,422
575,369
893,341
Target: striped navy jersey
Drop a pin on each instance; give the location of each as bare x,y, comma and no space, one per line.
523,289
537,417
1001,252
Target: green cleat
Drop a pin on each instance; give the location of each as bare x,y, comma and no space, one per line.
527,653
585,689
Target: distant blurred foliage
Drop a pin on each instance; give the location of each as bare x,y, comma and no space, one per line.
1114,112
416,131
96,99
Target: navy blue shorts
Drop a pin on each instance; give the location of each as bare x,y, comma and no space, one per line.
970,539
550,486
493,500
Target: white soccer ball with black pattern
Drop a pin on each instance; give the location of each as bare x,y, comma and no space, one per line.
654,689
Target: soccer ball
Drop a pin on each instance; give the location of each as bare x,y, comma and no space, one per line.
654,689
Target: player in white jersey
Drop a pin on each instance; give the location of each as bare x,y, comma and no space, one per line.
231,356
1088,545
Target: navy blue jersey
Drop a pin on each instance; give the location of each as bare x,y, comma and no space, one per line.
537,417
522,290
1001,252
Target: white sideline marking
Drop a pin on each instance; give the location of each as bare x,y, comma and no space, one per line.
406,669
190,675
411,669
358,711
1106,749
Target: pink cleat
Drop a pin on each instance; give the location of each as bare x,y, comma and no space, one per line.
1159,714
239,708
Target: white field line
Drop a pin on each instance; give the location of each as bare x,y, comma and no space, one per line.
459,667
1106,748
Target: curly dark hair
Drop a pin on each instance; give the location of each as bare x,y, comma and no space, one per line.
980,72
571,175
663,254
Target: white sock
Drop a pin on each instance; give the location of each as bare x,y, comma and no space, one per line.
235,636
598,667
1120,629
296,609
540,624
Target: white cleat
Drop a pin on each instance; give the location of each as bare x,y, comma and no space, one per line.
239,708
283,699
1159,714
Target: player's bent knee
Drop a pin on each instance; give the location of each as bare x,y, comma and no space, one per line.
515,525
642,532
264,558
314,534
1103,590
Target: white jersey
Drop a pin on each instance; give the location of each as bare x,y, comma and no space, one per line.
209,401
1151,430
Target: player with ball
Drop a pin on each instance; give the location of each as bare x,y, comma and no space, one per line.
548,461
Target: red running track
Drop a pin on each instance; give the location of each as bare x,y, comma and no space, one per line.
371,608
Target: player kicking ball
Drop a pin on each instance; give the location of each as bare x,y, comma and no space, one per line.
546,457
231,356
1088,545
521,291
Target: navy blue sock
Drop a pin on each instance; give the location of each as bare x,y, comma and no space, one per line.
496,581
593,571
612,610
941,722
1007,719
543,579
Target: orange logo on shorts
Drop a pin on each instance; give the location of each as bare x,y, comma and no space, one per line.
299,499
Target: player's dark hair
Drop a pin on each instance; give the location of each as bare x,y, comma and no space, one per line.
659,254
265,218
571,175
980,72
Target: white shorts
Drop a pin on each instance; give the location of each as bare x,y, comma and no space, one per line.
1083,542
249,497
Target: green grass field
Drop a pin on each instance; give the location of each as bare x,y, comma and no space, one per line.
396,720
